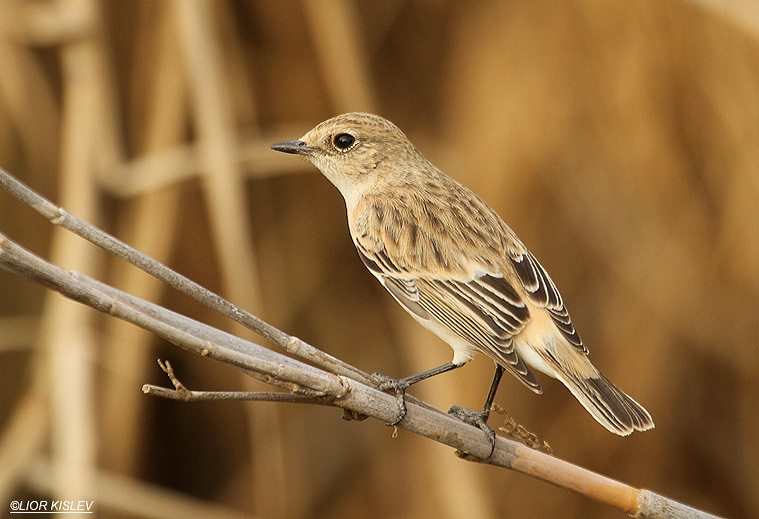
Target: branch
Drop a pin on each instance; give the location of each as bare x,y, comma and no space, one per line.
60,217
330,381
181,393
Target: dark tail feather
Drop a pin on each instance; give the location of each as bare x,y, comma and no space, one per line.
609,405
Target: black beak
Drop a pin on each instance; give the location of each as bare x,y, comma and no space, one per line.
296,147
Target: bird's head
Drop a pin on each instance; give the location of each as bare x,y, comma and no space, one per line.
355,151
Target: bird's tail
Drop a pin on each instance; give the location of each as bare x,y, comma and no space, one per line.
608,404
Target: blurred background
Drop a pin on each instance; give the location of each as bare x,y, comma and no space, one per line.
619,139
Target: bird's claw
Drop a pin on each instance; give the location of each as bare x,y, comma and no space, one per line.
478,419
385,383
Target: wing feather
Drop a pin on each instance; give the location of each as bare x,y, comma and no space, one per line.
460,308
542,292
406,293
486,312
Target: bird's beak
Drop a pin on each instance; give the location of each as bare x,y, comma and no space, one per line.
297,147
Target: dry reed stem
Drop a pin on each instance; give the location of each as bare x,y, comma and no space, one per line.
222,178
67,332
22,439
344,64
165,95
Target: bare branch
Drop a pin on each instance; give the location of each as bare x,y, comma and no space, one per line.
331,382
181,393
60,217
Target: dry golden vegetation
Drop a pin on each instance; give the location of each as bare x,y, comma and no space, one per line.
619,139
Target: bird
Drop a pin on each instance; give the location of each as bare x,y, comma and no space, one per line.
455,266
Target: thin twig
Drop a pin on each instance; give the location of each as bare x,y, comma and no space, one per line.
181,393
204,396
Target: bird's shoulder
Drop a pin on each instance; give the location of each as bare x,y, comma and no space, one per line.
433,227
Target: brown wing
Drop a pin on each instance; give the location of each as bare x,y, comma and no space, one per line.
486,312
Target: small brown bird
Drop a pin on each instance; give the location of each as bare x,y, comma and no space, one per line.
457,268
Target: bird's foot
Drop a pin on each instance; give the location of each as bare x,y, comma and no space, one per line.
478,419
385,383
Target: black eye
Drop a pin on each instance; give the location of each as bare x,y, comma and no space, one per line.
343,141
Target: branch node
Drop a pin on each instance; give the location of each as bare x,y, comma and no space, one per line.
291,343
166,368
348,414
346,388
112,308
59,217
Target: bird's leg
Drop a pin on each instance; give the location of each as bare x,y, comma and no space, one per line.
400,385
480,419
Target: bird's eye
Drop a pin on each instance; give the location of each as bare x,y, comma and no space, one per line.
343,141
